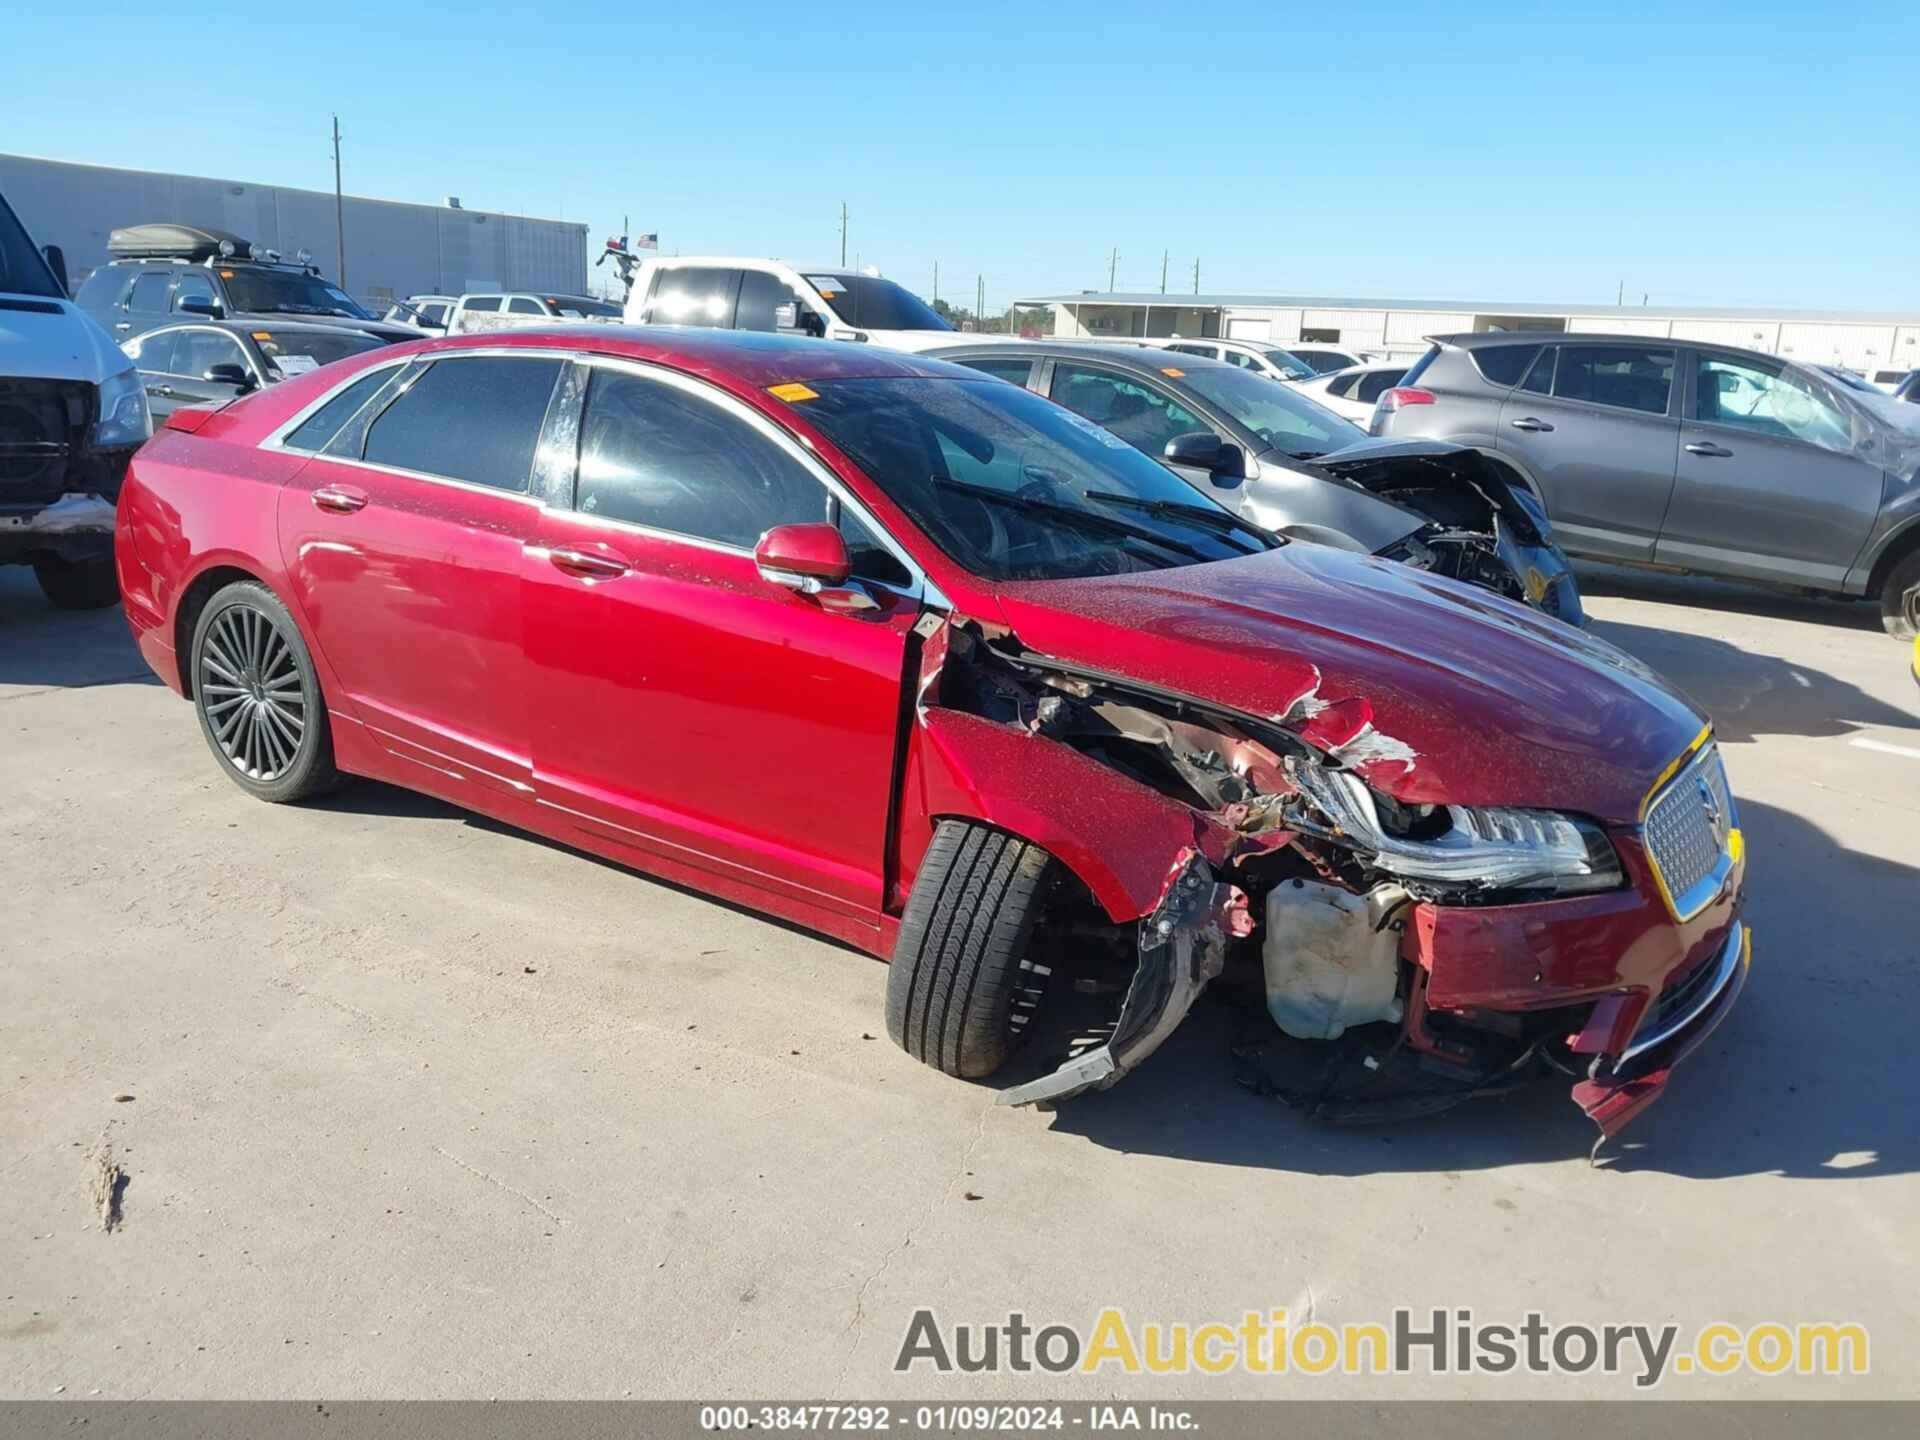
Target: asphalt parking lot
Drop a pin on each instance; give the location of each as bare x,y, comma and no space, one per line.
421,1106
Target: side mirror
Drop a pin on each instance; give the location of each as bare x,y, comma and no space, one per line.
197,305
808,558
1203,450
57,262
229,374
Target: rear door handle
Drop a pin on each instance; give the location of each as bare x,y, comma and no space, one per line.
1702,447
1527,422
339,499
587,565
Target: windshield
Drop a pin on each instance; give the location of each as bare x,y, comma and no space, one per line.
294,352
1289,364
288,292
578,307
1283,419
23,270
875,304
1013,487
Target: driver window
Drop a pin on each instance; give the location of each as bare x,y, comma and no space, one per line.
652,454
1145,419
195,287
1769,401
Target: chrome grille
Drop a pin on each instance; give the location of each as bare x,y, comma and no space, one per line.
1687,830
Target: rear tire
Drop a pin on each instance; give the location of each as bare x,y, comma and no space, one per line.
78,584
1898,604
962,991
258,696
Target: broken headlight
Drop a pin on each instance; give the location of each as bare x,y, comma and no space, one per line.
1482,846
124,417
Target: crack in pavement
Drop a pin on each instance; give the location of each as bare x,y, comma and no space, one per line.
858,1318
500,1184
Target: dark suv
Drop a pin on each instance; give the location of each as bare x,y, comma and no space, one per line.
163,273
1686,455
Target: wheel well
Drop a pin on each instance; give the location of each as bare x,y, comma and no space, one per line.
1899,548
204,587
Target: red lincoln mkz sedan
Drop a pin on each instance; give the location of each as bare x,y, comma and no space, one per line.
918,659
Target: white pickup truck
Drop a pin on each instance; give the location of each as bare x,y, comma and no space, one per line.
72,412
736,293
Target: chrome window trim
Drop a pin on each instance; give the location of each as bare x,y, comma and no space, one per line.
783,440
246,355
275,437
921,587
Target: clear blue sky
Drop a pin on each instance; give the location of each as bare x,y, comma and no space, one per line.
1751,153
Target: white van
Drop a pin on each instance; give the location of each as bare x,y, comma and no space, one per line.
72,412
735,293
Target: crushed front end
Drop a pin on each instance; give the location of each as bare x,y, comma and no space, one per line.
64,448
1411,955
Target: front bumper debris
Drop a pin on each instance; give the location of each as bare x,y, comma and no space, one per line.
1182,945
1618,1090
74,527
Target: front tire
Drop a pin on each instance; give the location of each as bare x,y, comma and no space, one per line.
1898,604
258,696
962,989
78,584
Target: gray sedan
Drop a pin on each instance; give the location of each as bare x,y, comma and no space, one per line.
1686,456
209,362
1276,458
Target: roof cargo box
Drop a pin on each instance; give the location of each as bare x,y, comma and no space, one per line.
182,242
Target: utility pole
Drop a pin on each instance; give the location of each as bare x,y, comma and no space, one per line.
843,232
1620,296
339,209
980,304
1196,274
936,284
1113,265
1163,272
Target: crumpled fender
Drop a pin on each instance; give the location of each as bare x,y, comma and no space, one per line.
1115,834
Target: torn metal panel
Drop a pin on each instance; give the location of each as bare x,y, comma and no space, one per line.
1182,946
71,514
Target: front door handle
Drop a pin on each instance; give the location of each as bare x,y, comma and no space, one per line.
1712,451
586,565
1527,422
339,500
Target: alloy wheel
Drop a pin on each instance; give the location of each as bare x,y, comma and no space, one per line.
251,690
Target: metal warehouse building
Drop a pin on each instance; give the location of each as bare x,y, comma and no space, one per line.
1869,342
392,248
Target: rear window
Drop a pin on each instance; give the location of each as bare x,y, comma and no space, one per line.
1625,377
1014,371
1504,364
475,419
875,304
1412,377
1374,383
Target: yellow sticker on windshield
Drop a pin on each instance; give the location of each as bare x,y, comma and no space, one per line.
792,392
226,274
262,334
1171,371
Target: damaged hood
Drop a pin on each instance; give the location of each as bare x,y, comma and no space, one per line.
1436,692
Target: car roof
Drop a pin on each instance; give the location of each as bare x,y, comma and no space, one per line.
1144,358
246,327
751,357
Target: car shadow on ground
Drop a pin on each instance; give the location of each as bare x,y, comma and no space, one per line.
1702,592
1811,1076
1749,694
45,648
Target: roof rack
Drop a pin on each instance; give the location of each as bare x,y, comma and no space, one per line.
176,242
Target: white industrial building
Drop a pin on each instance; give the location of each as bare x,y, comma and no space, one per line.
392,248
1867,342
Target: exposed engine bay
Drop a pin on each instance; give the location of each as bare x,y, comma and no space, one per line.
1301,877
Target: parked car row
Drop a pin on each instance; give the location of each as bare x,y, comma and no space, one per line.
672,595
1685,455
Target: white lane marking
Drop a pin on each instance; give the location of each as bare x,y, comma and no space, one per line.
1885,749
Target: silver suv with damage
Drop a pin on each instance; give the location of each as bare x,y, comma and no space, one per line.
1686,456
